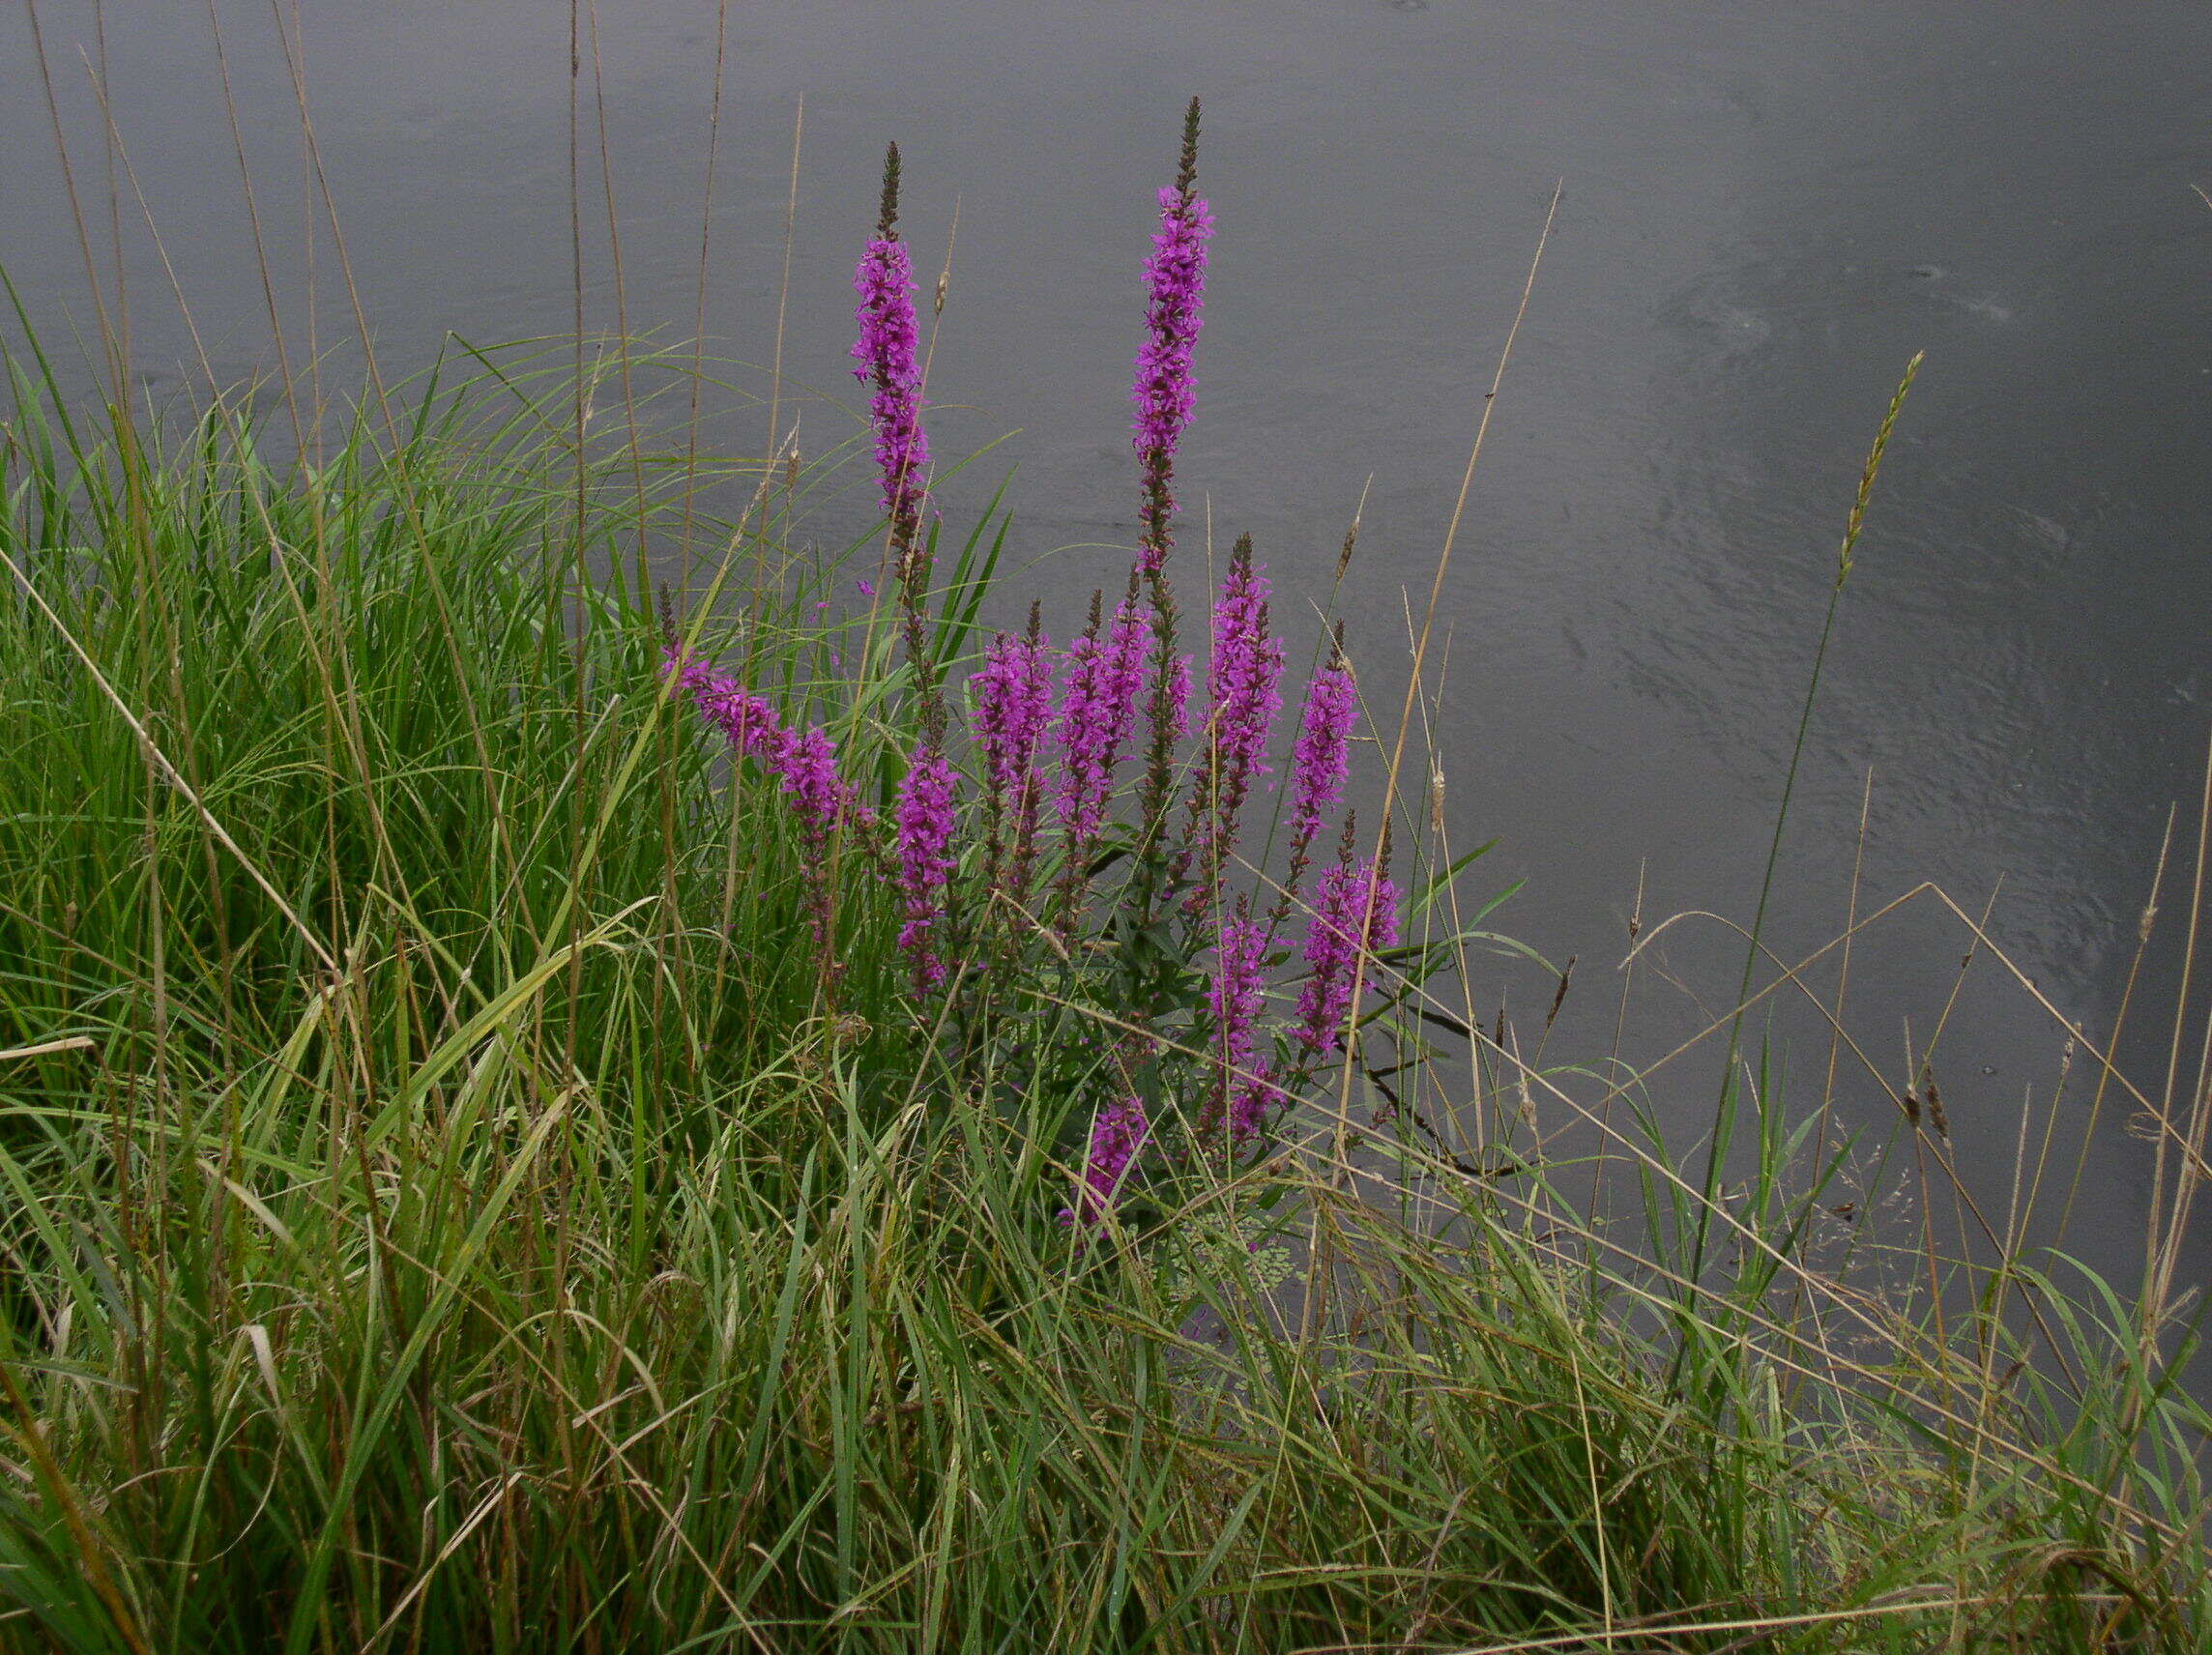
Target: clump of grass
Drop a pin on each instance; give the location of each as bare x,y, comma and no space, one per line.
463,1230
485,1172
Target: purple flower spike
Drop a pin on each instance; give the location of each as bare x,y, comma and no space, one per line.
1177,698
924,822
1351,898
1248,1106
1013,705
1319,763
1246,673
804,763
889,338
1117,1139
1243,690
808,767
1234,998
744,719
1013,708
1097,715
886,351
1175,280
1175,285
1322,761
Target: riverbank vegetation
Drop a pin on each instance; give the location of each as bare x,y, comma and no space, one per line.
579,1074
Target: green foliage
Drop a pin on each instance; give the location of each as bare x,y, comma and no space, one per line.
468,1221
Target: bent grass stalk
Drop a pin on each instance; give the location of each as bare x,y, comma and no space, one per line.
1724,1115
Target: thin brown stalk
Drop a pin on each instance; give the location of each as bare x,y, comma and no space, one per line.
1390,779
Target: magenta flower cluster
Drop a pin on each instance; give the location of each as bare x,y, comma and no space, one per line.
1354,916
803,761
1244,695
1175,278
1165,390
924,820
1012,698
1234,998
887,352
1322,761
1245,678
1116,1138
1097,715
1051,733
1012,691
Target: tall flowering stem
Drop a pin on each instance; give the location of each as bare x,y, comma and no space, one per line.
1013,696
1117,1137
1243,1089
1320,763
1174,288
1354,918
924,820
1175,284
1243,694
743,720
888,351
1097,717
1168,714
804,762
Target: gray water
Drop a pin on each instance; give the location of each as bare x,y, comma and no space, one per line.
1767,210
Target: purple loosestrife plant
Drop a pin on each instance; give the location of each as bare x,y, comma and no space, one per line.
924,823
1245,681
743,719
888,350
1251,1059
1097,715
1175,286
804,764
1249,1103
1012,695
1243,694
1117,1137
1355,915
1320,763
1235,998
807,762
